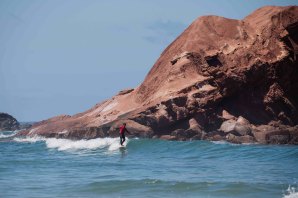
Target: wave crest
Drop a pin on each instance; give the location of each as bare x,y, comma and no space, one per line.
7,134
65,144
291,193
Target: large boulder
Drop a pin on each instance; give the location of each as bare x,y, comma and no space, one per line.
227,116
228,126
246,139
241,127
281,134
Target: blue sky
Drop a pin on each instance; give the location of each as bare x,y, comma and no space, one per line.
64,56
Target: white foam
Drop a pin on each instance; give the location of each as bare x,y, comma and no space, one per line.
220,142
31,139
291,193
8,134
111,144
232,144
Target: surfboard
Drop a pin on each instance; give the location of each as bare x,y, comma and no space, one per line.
122,148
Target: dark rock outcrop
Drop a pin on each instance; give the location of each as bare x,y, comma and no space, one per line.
8,123
221,79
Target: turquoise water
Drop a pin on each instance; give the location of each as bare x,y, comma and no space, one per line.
38,167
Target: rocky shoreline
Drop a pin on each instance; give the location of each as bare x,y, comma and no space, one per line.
234,130
221,79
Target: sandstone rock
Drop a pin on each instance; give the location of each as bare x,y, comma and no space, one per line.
260,132
215,69
182,134
278,137
193,124
227,116
228,126
242,129
216,137
240,139
213,136
125,91
241,120
168,137
294,135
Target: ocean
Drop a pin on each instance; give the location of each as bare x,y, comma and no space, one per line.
48,167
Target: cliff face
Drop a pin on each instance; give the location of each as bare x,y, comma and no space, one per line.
228,79
8,123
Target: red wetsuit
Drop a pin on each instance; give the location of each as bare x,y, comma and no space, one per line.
122,134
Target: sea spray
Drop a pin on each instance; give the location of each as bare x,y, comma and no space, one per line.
291,193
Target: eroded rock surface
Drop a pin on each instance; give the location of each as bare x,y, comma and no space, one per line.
221,79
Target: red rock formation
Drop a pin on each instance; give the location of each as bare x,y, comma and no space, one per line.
218,69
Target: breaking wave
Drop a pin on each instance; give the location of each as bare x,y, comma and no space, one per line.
7,134
111,144
291,193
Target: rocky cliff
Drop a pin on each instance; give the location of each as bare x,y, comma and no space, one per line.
221,79
8,123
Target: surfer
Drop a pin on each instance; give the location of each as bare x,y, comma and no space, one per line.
122,133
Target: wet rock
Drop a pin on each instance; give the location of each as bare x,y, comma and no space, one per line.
267,134
213,136
260,132
240,139
294,135
184,134
168,137
242,129
278,137
216,137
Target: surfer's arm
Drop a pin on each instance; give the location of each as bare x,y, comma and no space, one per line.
127,131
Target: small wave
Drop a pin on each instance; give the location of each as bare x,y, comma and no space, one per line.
7,134
220,142
65,144
291,193
233,144
29,139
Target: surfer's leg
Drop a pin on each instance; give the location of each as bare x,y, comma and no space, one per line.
122,139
